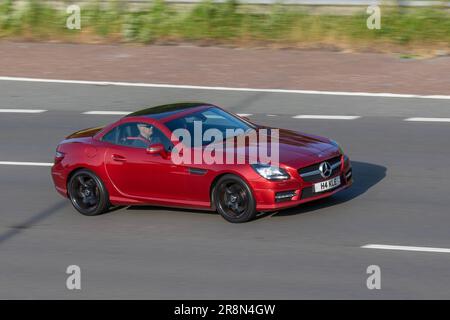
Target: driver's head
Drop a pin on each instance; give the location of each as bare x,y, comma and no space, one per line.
145,130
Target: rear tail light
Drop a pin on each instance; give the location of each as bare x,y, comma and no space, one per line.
59,156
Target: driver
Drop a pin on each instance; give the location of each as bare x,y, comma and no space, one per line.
145,137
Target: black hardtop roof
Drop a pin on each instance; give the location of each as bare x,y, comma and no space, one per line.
162,111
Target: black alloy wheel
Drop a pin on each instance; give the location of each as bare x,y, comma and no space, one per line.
234,200
87,193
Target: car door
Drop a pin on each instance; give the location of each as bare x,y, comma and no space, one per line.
138,174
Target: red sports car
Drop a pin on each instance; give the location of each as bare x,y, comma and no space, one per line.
131,162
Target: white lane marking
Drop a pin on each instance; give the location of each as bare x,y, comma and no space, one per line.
406,248
175,86
323,117
107,112
244,114
22,111
35,164
419,119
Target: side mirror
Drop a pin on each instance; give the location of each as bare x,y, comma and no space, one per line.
157,148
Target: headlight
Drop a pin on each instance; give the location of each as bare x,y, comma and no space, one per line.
270,172
334,143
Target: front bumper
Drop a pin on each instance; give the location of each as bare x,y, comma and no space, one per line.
302,191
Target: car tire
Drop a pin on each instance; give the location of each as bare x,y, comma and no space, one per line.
87,193
233,199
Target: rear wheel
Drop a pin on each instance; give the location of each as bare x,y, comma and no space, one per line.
234,200
87,193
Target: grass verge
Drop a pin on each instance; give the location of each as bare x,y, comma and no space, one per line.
411,30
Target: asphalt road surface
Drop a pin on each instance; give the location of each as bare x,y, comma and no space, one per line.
400,197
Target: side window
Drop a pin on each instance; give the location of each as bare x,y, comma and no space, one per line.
130,134
168,145
138,135
111,136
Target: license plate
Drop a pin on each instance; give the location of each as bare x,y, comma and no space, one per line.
327,185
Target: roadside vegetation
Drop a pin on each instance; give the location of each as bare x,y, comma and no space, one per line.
405,30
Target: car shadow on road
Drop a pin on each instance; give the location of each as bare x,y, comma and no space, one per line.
31,221
365,175
158,208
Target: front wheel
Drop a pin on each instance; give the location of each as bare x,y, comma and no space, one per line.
233,199
87,193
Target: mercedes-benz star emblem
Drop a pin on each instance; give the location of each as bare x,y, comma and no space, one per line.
325,169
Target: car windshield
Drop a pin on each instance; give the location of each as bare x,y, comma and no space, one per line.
212,118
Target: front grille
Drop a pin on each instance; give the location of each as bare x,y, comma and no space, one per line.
312,173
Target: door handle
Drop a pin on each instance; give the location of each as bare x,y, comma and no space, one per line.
117,157
197,171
